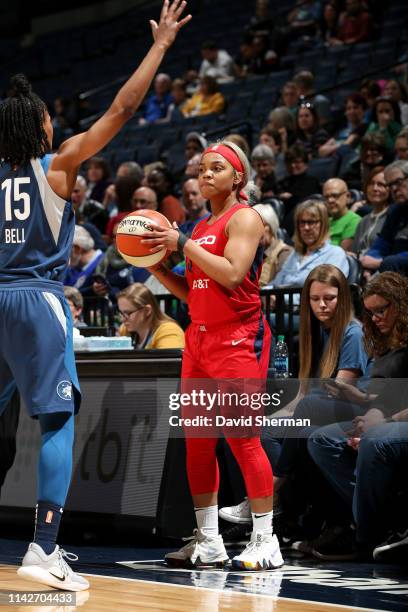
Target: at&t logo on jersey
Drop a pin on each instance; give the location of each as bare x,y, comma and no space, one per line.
205,240
201,283
64,390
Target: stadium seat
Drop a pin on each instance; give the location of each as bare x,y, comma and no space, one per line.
355,270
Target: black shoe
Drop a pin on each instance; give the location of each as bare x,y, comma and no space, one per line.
397,542
338,544
236,534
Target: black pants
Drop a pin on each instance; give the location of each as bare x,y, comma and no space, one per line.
8,431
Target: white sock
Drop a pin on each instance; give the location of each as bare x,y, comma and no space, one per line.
207,520
262,521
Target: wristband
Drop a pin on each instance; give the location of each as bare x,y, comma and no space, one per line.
181,241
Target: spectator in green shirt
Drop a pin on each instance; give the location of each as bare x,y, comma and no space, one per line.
342,221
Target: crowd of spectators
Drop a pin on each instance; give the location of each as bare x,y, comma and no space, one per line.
318,231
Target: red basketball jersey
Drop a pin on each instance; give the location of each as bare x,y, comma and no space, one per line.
209,302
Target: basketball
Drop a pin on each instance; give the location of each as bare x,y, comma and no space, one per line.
129,238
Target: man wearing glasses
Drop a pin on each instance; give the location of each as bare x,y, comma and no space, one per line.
390,249
343,222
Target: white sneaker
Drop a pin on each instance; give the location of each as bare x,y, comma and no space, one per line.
261,553
201,551
237,514
51,569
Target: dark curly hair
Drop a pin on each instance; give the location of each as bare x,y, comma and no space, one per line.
393,288
22,134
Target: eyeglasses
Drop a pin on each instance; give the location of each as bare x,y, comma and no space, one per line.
378,312
126,314
334,196
305,222
397,183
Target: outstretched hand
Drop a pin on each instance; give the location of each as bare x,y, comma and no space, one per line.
166,30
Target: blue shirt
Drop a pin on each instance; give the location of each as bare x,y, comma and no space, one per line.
352,354
36,225
157,108
297,266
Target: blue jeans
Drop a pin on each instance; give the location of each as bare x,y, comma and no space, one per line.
364,479
320,409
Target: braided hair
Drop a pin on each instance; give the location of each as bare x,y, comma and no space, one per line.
22,134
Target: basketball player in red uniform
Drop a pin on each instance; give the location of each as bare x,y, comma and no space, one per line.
227,339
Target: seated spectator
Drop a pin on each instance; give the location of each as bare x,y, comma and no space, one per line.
255,56
303,19
396,91
193,166
401,144
355,127
276,251
83,261
144,197
196,208
265,59
179,98
389,251
98,174
76,306
195,205
217,63
127,168
373,153
377,198
290,96
364,478
244,61
61,123
206,101
385,120
370,90
125,187
312,246
86,210
330,347
130,168
298,186
142,317
272,138
308,132
195,143
304,82
282,120
162,182
329,26
355,24
342,221
263,162
113,273
240,141
157,104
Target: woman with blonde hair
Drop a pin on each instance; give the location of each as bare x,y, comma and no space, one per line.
331,347
141,315
312,246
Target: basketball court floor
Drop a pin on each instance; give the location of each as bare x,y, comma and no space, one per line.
126,579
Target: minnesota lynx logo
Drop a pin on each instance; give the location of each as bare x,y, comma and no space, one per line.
64,390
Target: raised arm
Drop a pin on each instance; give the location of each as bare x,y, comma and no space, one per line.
77,149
